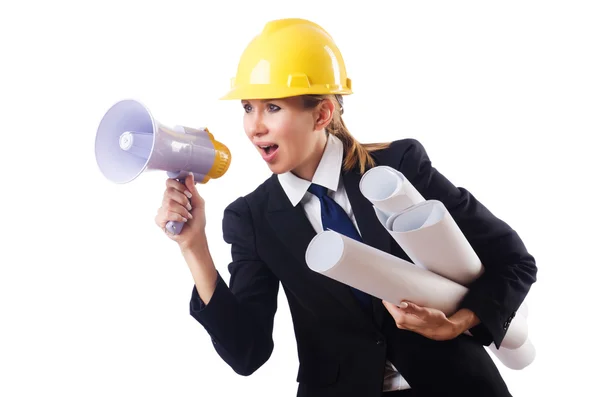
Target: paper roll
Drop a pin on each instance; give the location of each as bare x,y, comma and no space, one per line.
517,333
380,274
382,216
431,238
515,359
388,189
392,279
524,310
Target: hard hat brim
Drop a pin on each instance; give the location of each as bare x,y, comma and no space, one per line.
267,91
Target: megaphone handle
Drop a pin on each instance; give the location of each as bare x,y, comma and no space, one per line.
175,227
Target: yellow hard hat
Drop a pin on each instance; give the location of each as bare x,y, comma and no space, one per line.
290,57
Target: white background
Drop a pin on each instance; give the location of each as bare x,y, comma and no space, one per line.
94,298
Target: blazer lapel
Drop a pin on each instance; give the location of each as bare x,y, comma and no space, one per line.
294,230
372,231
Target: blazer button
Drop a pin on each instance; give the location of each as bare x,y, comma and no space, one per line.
379,341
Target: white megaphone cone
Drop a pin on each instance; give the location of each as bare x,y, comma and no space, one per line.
130,141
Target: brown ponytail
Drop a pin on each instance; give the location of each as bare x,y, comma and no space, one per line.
355,153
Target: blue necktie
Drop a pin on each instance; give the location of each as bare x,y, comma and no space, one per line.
335,218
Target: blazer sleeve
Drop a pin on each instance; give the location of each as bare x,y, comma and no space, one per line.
239,318
509,269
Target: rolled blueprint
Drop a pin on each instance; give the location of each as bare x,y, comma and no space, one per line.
416,223
388,190
518,358
392,279
380,274
432,239
418,226
524,310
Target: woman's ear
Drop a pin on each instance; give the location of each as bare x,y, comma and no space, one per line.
324,114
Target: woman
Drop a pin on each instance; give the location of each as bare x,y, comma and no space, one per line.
290,81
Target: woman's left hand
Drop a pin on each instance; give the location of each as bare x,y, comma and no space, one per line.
431,323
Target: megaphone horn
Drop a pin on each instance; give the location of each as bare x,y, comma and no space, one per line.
130,141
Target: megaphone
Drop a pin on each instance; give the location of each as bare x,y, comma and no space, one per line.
130,141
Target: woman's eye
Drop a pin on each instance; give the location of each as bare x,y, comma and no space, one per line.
273,108
247,108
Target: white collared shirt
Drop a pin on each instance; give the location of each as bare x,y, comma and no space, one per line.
328,174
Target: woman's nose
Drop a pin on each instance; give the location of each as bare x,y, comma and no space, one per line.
256,127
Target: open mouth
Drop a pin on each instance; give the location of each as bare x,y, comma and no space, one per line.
269,149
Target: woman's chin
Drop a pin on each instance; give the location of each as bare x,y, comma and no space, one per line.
278,167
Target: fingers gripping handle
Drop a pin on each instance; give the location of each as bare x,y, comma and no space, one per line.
175,227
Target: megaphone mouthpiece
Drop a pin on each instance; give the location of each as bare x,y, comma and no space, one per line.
137,143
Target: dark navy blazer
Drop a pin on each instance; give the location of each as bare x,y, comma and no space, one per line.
342,350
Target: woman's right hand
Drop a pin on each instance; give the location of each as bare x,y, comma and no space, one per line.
182,203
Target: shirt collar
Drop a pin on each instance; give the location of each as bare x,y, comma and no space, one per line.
327,173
